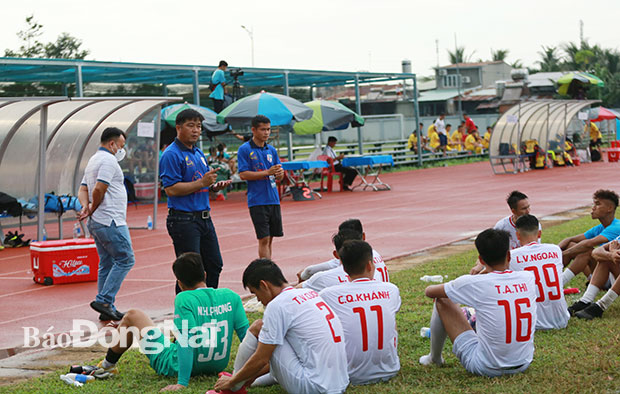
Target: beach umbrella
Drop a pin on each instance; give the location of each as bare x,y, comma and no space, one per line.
578,77
328,115
280,110
600,113
169,116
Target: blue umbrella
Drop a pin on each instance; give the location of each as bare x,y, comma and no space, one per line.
280,110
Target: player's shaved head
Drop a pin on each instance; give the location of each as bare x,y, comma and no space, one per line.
262,269
354,256
514,197
527,224
188,269
351,224
493,246
346,235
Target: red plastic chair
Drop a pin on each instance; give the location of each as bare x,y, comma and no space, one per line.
329,172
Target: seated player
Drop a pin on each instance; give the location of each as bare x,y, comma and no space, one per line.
486,139
433,138
505,303
472,142
367,310
577,250
336,276
218,311
607,269
299,340
353,224
545,262
519,205
456,139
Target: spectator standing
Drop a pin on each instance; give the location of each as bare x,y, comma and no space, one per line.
440,127
218,81
469,124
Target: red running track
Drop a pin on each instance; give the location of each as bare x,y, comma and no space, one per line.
424,209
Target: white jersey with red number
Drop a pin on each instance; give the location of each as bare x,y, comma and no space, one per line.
508,225
367,310
545,262
336,276
303,319
505,304
333,263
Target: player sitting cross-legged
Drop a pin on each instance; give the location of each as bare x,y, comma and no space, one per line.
505,303
299,340
367,310
349,224
199,312
545,262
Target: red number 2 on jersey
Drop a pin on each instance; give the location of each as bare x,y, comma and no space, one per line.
330,315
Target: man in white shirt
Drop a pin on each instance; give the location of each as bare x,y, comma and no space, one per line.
367,310
104,201
349,173
300,339
545,262
440,126
505,303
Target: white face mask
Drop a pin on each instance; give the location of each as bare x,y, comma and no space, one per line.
120,154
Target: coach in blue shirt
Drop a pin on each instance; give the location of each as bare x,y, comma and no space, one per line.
219,80
259,165
187,179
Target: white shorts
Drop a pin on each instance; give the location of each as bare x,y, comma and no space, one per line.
465,348
291,374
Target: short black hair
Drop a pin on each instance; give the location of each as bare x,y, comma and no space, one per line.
514,197
527,224
448,125
608,195
112,133
188,269
352,224
220,146
223,63
354,255
493,246
345,235
258,119
262,269
489,127
331,138
188,114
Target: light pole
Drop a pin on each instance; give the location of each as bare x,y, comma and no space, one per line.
251,34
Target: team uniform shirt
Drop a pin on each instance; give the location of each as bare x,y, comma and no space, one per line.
486,140
217,78
336,276
440,126
335,263
595,133
302,319
433,138
470,143
508,225
367,310
181,164
610,232
217,312
412,141
103,167
470,125
545,262
505,304
251,157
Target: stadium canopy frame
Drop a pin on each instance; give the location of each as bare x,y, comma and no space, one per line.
545,121
45,142
89,71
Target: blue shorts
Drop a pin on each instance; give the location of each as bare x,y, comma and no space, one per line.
465,348
443,139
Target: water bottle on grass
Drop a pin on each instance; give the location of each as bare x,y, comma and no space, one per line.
432,278
425,332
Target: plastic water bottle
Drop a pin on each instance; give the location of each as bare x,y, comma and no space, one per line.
425,332
77,230
44,234
74,379
432,278
149,223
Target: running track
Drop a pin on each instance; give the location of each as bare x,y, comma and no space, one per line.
426,208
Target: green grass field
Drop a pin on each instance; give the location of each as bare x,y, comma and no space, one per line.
585,357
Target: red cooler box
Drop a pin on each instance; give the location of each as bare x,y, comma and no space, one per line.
64,261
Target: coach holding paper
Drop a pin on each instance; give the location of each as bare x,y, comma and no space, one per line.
187,179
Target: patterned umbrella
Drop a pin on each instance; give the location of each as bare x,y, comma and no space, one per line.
280,110
580,76
600,113
169,115
328,115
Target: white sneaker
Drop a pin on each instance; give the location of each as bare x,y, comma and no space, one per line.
426,360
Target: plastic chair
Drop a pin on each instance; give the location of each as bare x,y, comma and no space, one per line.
329,172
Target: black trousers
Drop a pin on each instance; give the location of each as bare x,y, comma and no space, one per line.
218,105
349,173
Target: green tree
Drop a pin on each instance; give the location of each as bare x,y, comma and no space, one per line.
549,60
65,47
458,55
499,55
30,47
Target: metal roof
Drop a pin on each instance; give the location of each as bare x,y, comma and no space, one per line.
438,95
63,70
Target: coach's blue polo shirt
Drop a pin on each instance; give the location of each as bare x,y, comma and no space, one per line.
180,164
251,157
